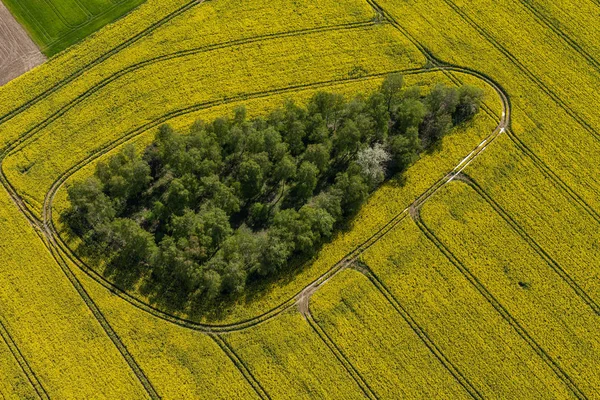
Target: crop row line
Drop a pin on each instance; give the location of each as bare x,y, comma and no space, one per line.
422,334
559,32
339,354
532,77
98,315
23,364
145,32
471,278
29,135
530,241
241,366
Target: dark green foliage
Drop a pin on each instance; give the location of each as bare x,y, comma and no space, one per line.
203,214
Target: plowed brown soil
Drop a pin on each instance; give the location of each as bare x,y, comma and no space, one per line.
18,53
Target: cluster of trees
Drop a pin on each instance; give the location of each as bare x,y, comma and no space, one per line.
201,214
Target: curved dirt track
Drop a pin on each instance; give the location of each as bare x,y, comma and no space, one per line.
63,253
18,53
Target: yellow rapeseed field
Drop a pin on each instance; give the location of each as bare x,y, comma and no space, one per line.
179,362
375,213
14,383
183,85
291,361
378,342
467,330
547,308
550,218
490,290
50,323
550,84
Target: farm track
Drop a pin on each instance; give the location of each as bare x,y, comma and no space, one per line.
50,230
99,60
422,334
339,354
24,138
556,368
241,366
517,228
23,364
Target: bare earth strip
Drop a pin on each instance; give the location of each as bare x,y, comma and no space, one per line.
18,53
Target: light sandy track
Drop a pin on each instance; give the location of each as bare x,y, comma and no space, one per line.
18,53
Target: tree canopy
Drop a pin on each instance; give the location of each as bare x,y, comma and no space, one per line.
198,215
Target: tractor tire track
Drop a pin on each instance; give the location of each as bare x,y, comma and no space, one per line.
339,354
22,361
564,275
241,366
542,19
532,77
472,279
15,145
422,334
98,315
145,32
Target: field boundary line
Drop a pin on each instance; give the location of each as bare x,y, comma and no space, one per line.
341,357
241,366
23,363
471,278
421,334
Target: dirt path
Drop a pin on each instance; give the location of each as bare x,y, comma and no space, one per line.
18,53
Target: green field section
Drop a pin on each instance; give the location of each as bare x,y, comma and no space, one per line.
57,24
379,343
546,310
455,317
291,361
